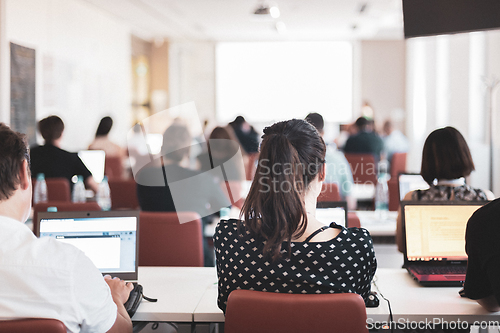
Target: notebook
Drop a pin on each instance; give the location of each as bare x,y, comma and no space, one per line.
332,211
410,182
108,238
435,240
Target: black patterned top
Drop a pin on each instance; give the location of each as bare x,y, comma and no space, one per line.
345,263
444,193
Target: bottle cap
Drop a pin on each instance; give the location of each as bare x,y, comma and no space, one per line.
52,209
40,176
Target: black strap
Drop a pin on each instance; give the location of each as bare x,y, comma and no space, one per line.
315,233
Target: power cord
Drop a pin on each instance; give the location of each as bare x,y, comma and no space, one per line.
391,319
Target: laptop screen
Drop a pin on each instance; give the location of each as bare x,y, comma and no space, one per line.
109,239
94,161
436,231
411,182
332,211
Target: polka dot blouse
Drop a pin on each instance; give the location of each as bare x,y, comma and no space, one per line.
345,263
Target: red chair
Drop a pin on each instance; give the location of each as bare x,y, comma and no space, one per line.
364,169
123,194
329,192
268,312
393,185
398,164
113,167
163,241
250,166
62,206
32,325
58,189
353,220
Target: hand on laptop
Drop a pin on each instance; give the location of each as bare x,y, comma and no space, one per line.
120,290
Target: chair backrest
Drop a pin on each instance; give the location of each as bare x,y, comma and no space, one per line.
256,311
250,166
163,241
353,220
398,164
62,206
58,189
32,325
364,169
123,194
393,185
329,192
113,167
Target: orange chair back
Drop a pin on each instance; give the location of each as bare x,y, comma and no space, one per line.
32,325
329,192
269,312
393,185
353,220
398,164
62,206
163,241
364,169
58,189
123,194
113,167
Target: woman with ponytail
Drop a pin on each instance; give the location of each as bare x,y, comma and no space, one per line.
279,245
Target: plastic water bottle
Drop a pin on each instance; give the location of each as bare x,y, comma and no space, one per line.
104,195
79,191
40,194
382,191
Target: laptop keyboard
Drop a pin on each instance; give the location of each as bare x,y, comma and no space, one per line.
440,270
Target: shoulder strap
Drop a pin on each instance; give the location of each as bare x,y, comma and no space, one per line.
315,233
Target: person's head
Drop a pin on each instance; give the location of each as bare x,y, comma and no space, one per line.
238,122
14,166
291,164
362,123
445,156
104,126
317,121
51,128
176,142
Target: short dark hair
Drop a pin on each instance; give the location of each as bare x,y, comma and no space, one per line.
361,123
176,142
446,155
316,120
104,126
291,155
51,128
13,151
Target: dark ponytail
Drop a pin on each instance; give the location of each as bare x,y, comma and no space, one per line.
291,156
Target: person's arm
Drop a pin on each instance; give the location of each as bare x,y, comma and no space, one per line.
91,184
399,225
120,291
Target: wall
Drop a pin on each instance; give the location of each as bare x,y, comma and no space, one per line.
382,75
83,64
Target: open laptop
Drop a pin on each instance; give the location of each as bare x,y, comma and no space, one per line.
410,182
435,240
108,238
332,211
94,161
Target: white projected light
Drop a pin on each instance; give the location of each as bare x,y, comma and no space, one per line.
269,81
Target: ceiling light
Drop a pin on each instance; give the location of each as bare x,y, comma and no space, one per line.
265,9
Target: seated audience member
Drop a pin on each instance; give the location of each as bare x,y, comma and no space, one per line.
246,134
446,161
338,170
394,141
365,141
195,191
482,282
102,141
46,278
53,161
220,149
280,246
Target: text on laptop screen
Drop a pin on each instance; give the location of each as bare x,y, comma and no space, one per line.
110,242
436,232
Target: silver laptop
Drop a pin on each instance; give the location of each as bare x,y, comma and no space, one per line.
410,182
332,211
108,238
